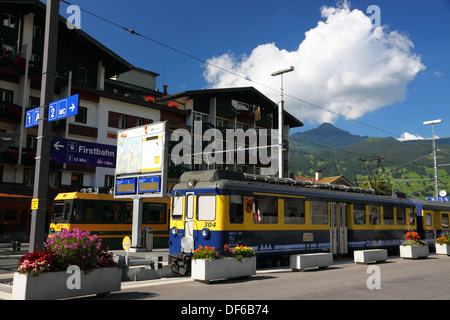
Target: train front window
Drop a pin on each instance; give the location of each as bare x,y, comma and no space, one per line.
206,207
61,210
177,207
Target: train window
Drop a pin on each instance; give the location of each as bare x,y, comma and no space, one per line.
401,216
156,213
206,207
66,210
58,209
374,214
177,207
110,212
428,219
78,210
236,209
359,214
89,210
266,211
412,216
388,215
444,221
294,211
319,212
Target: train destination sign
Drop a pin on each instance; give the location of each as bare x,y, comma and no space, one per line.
82,152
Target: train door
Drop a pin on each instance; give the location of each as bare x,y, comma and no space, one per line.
338,228
187,242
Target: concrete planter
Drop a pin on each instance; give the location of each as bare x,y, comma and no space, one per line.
206,270
412,252
54,285
442,249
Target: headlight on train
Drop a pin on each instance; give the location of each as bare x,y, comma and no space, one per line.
206,234
174,231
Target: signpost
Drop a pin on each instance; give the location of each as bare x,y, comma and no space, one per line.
59,109
63,108
82,152
142,157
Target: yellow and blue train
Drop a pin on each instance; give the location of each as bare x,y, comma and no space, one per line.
109,218
278,217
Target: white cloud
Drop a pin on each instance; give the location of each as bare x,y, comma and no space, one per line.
409,136
344,65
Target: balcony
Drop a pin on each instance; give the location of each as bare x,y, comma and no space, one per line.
226,111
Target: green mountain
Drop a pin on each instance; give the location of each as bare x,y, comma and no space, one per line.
407,166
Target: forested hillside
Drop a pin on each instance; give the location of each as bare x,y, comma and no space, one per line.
408,166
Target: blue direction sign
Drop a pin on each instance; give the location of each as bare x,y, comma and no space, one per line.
32,117
82,152
63,108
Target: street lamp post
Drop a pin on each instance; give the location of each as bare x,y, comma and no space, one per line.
436,187
280,121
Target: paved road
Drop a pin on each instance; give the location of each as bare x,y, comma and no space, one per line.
397,279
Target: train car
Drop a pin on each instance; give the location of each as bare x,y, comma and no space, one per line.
432,218
278,217
109,218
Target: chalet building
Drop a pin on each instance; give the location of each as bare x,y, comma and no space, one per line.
232,108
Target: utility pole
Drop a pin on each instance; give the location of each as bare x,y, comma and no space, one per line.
436,186
40,191
280,120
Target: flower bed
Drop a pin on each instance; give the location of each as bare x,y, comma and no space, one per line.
236,262
75,250
443,243
413,247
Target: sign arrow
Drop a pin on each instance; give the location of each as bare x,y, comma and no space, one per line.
57,145
72,107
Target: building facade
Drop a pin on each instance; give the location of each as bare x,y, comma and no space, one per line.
114,95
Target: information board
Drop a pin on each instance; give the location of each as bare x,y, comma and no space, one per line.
141,166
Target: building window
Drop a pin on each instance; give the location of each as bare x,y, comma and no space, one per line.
31,142
34,102
28,177
54,179
77,180
37,32
139,122
81,115
122,121
6,96
82,74
9,20
109,181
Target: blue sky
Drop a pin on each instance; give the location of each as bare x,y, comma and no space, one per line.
389,81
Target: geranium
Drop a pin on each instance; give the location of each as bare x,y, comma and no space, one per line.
413,239
37,262
444,238
205,252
